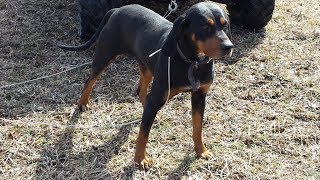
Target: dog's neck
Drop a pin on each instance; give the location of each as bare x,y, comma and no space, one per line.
194,62
188,54
182,54
186,51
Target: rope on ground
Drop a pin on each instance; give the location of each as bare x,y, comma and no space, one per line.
44,77
172,7
93,127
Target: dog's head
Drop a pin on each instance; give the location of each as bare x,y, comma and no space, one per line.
202,30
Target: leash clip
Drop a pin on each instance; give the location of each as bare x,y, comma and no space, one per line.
173,6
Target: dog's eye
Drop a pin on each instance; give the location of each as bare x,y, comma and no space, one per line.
225,26
206,28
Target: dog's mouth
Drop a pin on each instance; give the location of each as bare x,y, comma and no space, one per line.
211,49
227,53
214,54
226,48
223,54
204,58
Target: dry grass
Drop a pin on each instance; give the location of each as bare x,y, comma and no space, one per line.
262,117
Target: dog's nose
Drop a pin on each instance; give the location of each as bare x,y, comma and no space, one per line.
226,45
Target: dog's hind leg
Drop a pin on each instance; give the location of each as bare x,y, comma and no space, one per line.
104,56
144,81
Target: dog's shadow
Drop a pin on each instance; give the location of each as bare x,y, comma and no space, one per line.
182,169
60,161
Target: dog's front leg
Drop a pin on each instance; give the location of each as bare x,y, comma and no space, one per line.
152,106
198,105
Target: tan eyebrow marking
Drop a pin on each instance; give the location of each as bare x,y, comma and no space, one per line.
210,21
222,21
193,37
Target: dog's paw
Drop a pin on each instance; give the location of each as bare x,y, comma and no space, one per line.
144,164
205,155
82,107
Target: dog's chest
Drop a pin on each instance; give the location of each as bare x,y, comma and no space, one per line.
189,88
201,76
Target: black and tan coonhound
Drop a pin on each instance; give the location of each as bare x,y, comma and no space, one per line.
192,42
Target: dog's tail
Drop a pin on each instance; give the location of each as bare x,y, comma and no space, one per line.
93,39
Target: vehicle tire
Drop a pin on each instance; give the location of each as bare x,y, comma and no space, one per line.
92,12
251,14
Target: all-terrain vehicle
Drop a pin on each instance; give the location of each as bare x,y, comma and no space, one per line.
251,14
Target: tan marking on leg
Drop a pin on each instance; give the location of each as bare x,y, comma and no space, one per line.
201,150
205,87
145,79
84,99
140,156
197,121
173,92
197,133
84,103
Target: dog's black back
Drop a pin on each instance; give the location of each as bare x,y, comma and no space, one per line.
137,30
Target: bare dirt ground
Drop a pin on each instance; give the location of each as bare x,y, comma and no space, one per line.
261,120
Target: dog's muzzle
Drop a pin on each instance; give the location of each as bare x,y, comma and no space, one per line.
227,48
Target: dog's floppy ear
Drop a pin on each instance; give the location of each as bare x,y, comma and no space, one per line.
169,46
